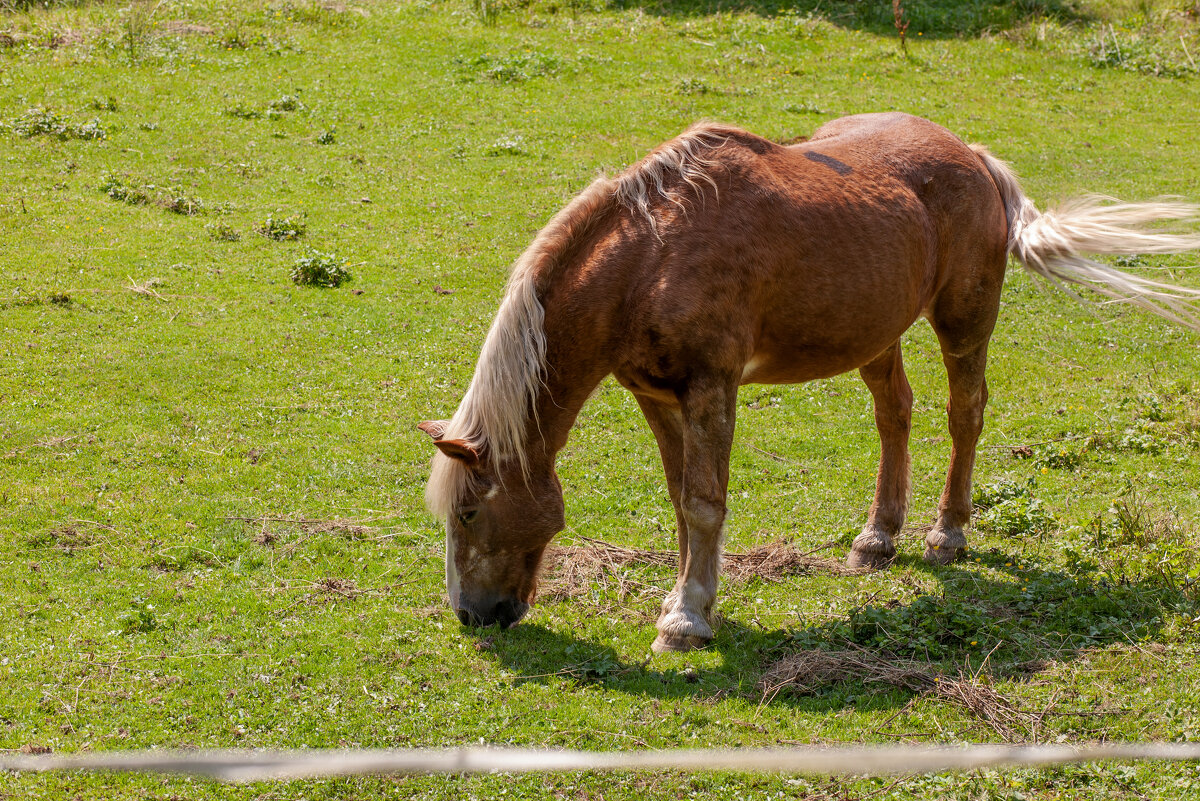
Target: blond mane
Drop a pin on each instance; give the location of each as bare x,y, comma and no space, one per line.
687,156
493,417
494,414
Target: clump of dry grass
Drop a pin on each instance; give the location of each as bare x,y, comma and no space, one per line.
570,571
336,587
268,527
805,672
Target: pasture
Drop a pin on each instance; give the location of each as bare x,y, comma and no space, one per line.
212,530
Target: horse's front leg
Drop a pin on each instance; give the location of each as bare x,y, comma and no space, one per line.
875,546
706,434
666,421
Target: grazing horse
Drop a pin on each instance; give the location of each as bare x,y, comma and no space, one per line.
724,259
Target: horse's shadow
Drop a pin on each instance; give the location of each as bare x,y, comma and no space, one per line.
1008,627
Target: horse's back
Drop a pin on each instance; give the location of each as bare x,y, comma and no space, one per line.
817,256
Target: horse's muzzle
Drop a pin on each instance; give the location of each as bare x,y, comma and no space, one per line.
506,613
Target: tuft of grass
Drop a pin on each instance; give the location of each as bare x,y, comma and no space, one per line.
511,68
320,269
510,145
696,86
185,205
243,112
283,105
40,121
1141,51
222,232
104,104
116,188
283,229
141,618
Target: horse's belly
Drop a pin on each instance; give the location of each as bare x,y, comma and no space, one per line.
797,362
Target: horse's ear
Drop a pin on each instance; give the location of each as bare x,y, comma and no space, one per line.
458,449
434,428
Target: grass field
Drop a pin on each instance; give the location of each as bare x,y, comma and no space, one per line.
212,531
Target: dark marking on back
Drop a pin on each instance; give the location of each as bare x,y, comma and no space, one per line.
841,168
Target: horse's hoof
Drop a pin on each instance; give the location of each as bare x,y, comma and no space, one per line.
666,643
942,554
871,560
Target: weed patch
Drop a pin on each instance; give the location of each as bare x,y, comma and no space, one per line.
116,188
1141,52
1059,456
171,199
243,112
222,232
283,229
44,122
1131,543
511,145
511,68
1010,509
320,269
104,104
176,202
139,619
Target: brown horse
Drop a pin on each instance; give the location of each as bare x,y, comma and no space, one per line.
724,259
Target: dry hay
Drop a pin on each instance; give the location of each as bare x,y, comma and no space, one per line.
267,533
335,588
181,27
805,672
570,571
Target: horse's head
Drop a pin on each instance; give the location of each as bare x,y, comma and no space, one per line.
499,520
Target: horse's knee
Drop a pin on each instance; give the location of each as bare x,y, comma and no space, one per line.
703,514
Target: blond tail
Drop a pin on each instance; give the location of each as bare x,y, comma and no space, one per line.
1052,245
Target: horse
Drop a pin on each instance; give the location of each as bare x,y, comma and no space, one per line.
723,259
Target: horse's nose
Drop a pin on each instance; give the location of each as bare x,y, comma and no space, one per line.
505,612
509,612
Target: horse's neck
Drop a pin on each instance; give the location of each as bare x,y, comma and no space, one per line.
577,360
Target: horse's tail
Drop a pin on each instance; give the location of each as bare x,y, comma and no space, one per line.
1051,245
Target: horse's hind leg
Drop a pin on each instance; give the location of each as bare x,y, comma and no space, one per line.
968,396
885,377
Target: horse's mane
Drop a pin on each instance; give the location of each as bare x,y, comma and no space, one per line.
493,415
686,156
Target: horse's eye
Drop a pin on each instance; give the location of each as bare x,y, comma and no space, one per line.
468,516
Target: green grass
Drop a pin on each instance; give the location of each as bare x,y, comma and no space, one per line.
211,518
